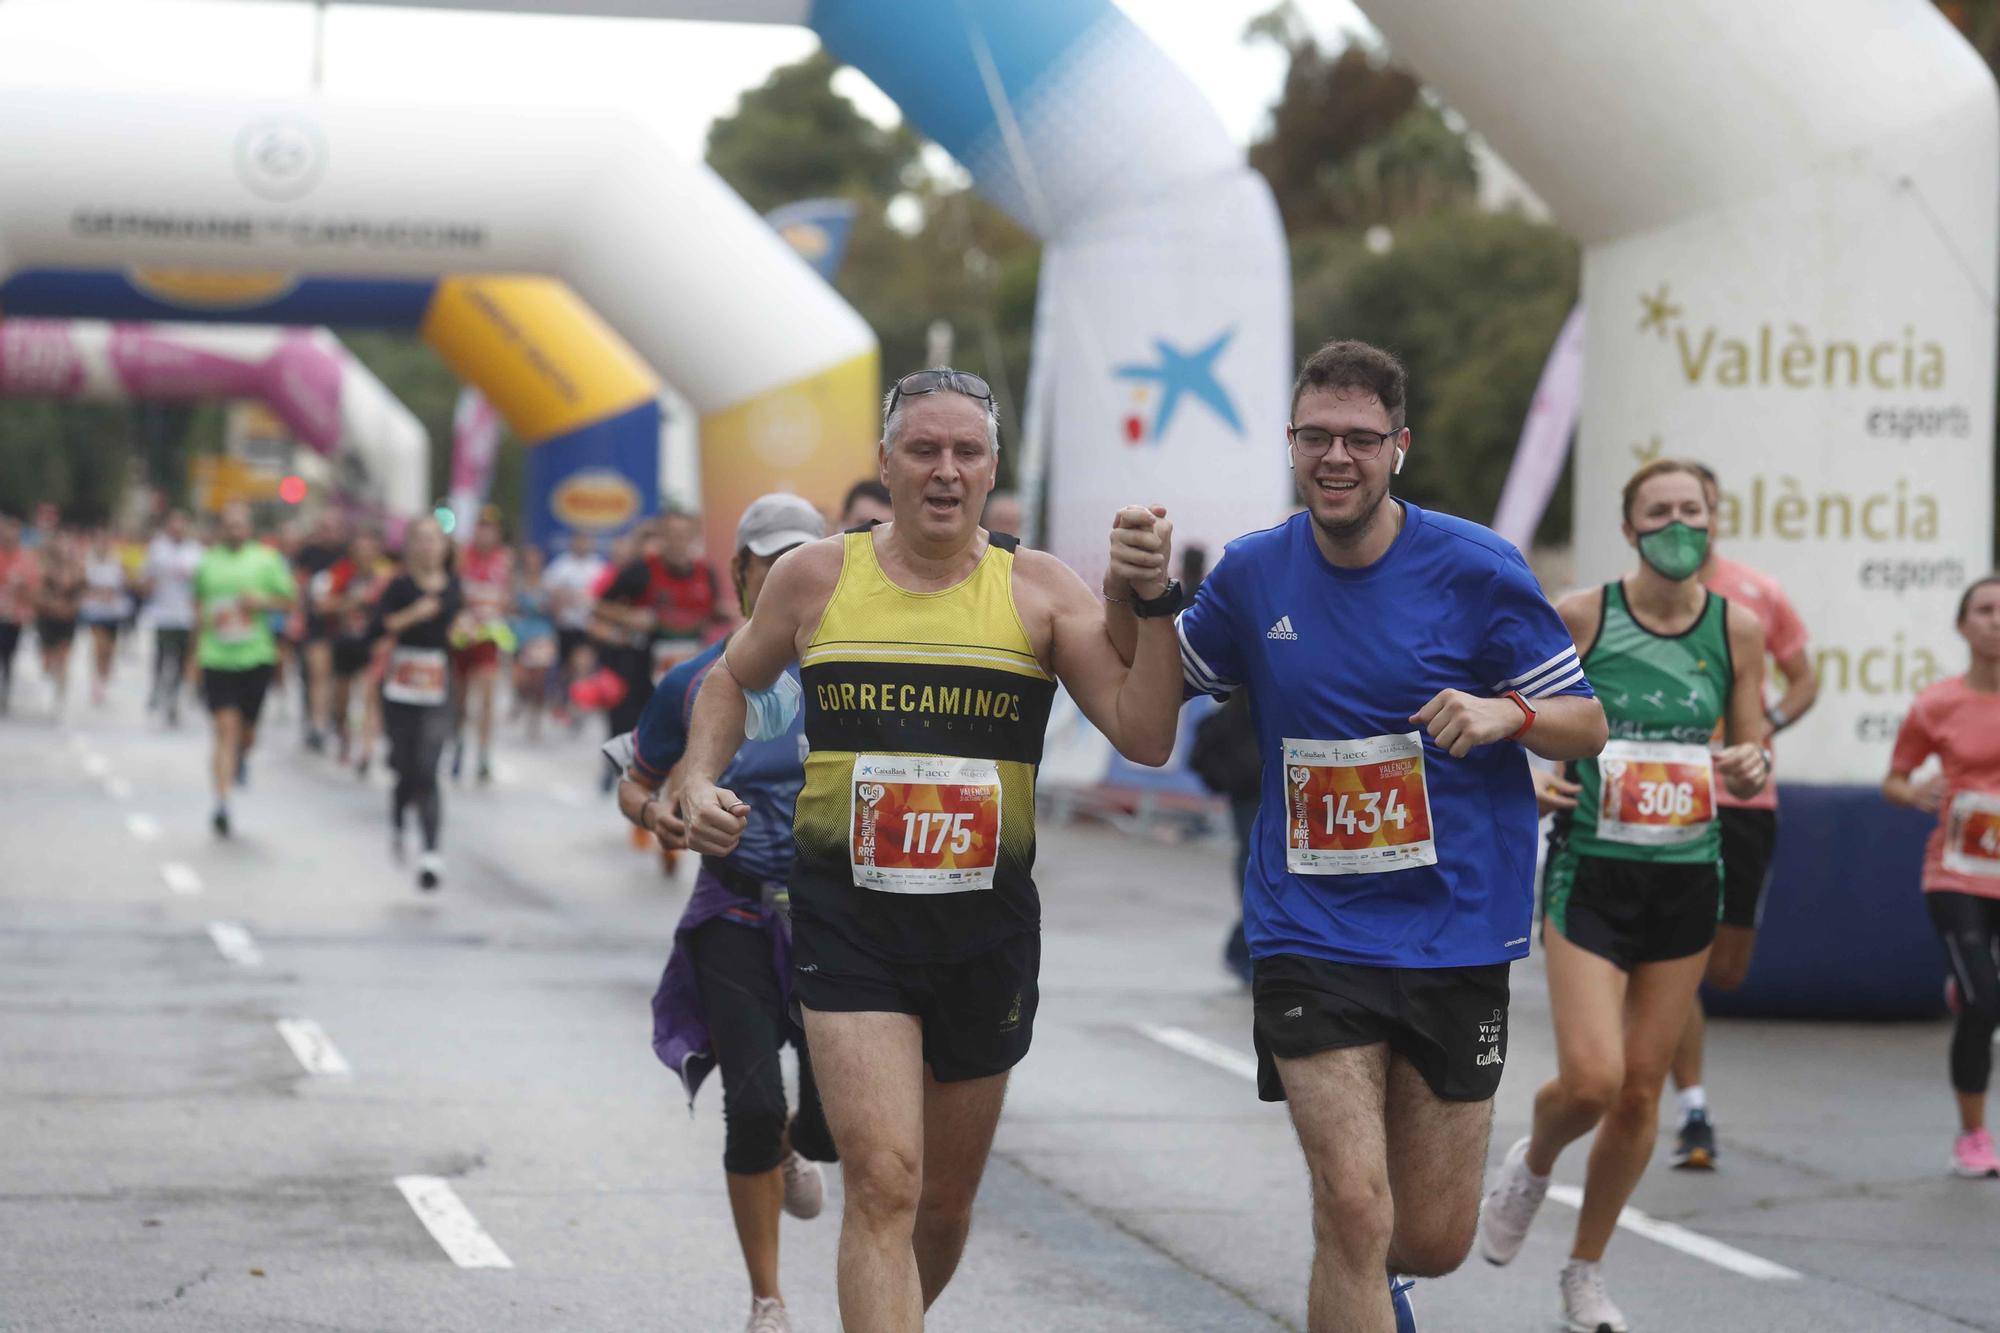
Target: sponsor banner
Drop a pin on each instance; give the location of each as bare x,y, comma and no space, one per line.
1545,436
1842,390
475,440
601,480
818,229
814,437
1164,358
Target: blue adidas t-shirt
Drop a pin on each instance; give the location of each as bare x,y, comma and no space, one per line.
766,774
1336,661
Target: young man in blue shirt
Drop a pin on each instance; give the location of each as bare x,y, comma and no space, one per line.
1398,663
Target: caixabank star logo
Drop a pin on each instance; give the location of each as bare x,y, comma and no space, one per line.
1159,386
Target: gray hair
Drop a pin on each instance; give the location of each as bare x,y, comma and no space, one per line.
892,419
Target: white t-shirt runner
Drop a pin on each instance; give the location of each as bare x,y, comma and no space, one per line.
170,567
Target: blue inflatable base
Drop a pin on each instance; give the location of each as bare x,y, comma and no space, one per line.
1844,934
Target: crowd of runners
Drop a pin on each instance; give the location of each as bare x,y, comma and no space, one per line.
843,718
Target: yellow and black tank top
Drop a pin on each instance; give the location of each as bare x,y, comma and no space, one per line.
925,715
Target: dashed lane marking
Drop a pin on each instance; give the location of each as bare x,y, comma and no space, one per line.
143,827
451,1223
180,877
233,942
313,1047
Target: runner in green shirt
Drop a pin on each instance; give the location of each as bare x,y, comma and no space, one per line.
1633,886
237,581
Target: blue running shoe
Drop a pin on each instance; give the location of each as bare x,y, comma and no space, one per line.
1399,1300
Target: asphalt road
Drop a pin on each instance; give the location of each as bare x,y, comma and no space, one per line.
167,1161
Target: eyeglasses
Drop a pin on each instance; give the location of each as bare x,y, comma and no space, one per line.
1314,442
920,382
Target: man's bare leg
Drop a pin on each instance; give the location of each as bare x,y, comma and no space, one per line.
870,1071
1437,1165
1338,1100
959,1120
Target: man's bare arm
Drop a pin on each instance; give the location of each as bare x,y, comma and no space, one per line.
798,585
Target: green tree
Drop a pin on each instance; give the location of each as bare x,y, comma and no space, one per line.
953,257
1352,139
793,137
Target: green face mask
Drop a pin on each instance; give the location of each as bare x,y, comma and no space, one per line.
1676,550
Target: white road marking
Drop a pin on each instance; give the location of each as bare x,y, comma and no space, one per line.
96,765
144,827
313,1047
1687,1242
1666,1233
1226,1058
234,943
180,877
451,1223
569,796
118,789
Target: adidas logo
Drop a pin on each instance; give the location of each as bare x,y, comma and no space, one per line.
1300,1010
1282,630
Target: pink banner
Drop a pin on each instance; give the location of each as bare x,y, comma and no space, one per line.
475,440
299,380
39,359
1545,437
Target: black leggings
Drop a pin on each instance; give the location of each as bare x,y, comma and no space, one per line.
1969,925
170,651
10,639
417,733
748,1025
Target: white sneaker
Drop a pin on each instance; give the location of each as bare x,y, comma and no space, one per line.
805,1187
1586,1309
430,871
1509,1208
768,1316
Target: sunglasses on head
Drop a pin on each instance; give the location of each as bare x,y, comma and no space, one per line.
920,382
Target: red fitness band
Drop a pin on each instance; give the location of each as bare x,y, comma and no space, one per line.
1527,713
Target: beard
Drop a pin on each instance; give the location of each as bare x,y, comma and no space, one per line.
1349,531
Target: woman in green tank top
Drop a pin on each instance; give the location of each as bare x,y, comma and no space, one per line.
1633,884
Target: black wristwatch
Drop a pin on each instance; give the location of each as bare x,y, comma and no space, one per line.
1168,603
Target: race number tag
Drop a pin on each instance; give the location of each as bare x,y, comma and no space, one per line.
1655,793
919,824
1357,807
232,621
1972,834
416,676
670,653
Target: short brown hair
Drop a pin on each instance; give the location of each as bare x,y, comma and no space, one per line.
1347,364
1965,601
1659,467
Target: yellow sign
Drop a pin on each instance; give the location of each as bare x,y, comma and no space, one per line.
220,480
207,289
595,500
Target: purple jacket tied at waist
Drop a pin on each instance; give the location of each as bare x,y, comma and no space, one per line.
680,1024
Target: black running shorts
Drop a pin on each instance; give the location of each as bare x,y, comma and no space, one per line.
240,690
1749,840
978,1013
1632,912
1450,1023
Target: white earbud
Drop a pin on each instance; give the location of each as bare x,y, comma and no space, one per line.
1399,461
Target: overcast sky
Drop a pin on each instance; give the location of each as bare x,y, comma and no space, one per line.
679,75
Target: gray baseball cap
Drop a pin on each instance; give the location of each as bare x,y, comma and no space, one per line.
777,521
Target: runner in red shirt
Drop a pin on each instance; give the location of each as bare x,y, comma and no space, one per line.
486,573
1958,722
1749,830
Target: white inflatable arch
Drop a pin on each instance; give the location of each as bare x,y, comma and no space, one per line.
1164,324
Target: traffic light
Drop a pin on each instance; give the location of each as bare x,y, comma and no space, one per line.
292,490
446,519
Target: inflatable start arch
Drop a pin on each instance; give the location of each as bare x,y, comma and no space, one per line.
1163,345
